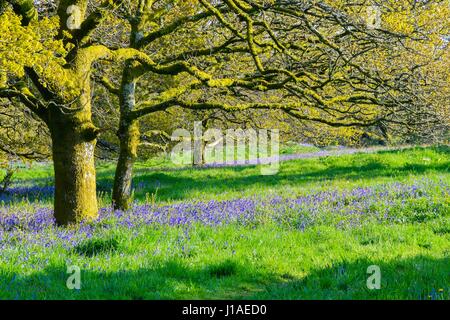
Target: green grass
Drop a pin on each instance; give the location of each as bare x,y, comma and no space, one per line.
263,261
294,177
160,180
295,148
241,263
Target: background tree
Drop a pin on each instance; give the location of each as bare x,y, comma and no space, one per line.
316,61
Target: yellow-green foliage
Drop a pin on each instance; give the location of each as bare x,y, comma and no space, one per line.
33,45
37,46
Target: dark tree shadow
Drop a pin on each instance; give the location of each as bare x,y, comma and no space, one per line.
176,187
418,278
168,185
415,278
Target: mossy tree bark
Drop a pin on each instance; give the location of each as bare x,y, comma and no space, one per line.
128,132
73,143
129,137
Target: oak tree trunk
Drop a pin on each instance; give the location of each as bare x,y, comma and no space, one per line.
129,137
73,144
129,140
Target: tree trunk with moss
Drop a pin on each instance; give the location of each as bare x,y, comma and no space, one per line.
73,143
129,137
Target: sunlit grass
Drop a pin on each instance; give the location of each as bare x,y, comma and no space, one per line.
318,250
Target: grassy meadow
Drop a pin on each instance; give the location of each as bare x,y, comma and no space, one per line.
308,232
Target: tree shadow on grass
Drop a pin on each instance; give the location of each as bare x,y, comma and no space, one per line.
176,185
169,186
419,277
173,279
